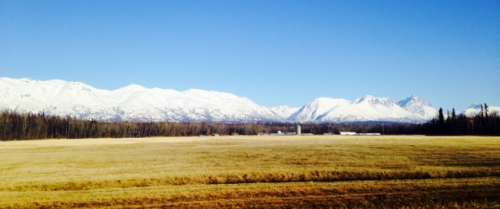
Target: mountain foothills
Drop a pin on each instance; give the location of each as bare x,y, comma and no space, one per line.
137,103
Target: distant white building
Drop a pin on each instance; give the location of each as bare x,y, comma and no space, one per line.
299,129
348,133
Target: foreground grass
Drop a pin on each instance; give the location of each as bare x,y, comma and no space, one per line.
233,172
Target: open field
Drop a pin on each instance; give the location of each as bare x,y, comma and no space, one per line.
257,172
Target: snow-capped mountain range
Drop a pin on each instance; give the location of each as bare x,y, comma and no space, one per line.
368,108
130,103
137,103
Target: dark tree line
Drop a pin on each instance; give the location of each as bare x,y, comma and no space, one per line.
483,123
40,126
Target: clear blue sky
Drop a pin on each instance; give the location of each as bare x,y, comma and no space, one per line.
274,52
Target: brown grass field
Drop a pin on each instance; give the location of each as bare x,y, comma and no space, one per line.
252,172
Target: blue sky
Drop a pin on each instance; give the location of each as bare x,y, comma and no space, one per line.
274,52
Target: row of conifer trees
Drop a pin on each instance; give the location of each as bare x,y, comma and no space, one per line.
483,123
41,126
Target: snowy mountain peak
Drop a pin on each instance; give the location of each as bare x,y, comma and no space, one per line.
317,108
367,108
412,100
418,106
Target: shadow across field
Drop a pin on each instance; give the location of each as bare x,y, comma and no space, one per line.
246,178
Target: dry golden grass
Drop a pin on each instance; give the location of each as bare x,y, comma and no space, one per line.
241,172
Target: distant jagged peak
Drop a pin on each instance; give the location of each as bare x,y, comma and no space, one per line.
367,108
409,100
374,100
413,100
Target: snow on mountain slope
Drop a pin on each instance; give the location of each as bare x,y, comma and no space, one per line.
368,108
316,109
420,108
284,111
137,103
133,103
474,110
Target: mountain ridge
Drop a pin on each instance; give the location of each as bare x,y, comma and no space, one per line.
367,108
138,103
